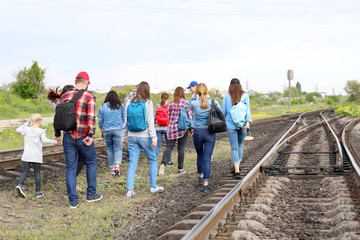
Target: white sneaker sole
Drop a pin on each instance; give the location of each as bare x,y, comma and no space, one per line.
20,192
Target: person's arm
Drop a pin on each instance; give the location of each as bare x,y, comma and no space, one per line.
44,139
150,122
91,117
124,133
224,107
123,112
248,112
21,130
100,119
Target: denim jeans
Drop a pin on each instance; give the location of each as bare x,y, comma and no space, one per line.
181,150
25,173
135,144
236,138
114,148
73,148
159,135
204,142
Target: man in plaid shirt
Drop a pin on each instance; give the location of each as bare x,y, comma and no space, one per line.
80,141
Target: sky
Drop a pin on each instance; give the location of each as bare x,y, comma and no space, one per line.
170,43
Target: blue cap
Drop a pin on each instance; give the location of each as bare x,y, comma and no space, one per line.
192,84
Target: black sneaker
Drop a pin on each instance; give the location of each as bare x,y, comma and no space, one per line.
169,164
236,175
20,191
201,181
96,197
39,194
233,171
207,189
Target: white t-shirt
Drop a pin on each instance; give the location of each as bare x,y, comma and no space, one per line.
33,141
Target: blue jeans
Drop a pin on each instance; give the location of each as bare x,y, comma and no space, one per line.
159,135
204,142
135,144
114,148
73,148
236,138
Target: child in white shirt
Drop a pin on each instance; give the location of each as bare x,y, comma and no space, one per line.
34,137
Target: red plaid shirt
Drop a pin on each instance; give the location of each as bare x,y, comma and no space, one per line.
85,114
173,132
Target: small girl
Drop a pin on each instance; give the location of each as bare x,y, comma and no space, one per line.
162,128
34,136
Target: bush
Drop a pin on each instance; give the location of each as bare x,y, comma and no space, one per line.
29,82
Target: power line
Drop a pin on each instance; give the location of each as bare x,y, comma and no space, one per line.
149,9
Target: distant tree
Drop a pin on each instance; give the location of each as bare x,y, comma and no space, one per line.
352,88
29,81
275,95
310,97
294,92
298,86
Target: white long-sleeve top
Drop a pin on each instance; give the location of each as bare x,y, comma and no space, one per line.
33,142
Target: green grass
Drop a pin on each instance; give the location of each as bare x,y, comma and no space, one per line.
51,218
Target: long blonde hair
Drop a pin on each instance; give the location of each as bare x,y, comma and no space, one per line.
35,120
202,91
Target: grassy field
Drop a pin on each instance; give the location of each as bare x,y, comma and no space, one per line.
51,218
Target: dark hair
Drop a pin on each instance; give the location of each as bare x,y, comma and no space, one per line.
66,88
53,94
164,97
179,93
113,99
235,91
142,91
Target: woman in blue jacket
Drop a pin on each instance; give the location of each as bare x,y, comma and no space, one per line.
236,134
111,120
204,141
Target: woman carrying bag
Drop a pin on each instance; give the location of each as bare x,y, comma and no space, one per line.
204,140
236,104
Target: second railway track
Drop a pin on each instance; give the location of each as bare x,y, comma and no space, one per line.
303,188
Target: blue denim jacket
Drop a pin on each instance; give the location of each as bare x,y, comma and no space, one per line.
201,116
227,104
110,119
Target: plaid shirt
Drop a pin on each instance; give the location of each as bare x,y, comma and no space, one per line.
85,114
173,132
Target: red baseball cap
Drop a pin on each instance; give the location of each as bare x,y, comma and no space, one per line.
83,75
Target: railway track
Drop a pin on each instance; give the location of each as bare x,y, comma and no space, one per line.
53,156
304,187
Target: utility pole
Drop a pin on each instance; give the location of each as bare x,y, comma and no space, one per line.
290,76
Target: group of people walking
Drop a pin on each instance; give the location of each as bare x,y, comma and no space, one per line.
137,124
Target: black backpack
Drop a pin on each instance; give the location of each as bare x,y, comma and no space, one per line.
65,114
217,122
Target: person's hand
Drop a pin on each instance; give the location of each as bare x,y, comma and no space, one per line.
124,144
88,141
58,140
154,143
191,132
247,125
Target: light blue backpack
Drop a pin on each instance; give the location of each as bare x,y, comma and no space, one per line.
238,113
136,116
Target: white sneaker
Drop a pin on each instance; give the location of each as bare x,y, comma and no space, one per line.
162,170
156,189
20,191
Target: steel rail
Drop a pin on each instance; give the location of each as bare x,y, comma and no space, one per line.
209,221
339,162
348,149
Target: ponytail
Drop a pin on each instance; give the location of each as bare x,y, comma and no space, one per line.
202,91
164,97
